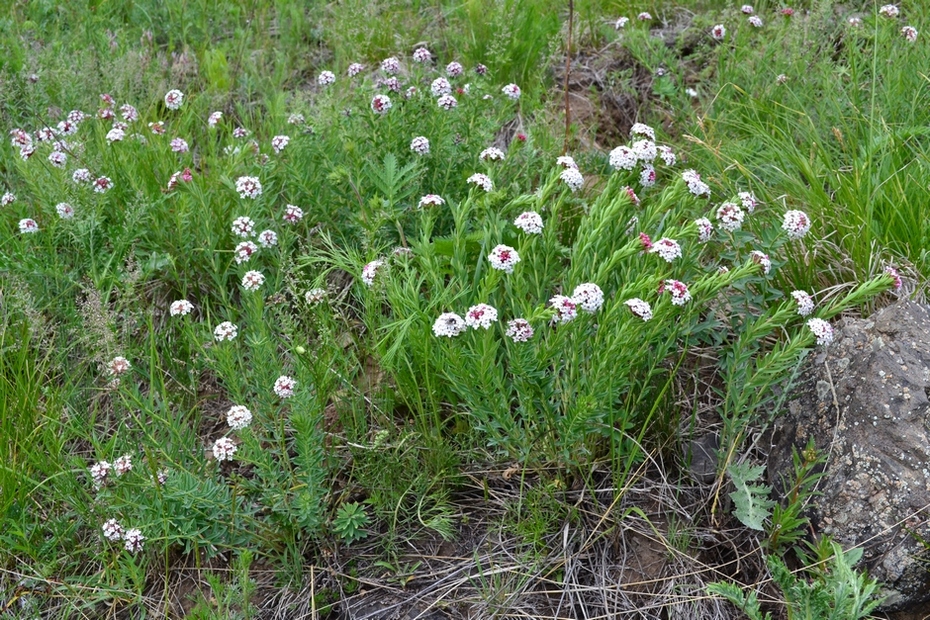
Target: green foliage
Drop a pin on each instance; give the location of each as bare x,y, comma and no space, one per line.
838,592
350,522
751,501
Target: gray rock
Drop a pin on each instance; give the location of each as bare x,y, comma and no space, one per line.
864,399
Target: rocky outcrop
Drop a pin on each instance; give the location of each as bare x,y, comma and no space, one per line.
864,399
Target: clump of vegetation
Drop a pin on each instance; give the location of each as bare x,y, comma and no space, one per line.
280,294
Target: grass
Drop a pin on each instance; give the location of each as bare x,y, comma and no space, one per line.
535,468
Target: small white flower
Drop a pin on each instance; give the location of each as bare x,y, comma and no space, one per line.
644,17
179,145
705,229
102,185
296,119
747,9
174,99
99,472
243,226
420,145
238,417
755,21
82,175
796,224
503,258
440,86
447,102
381,104
621,23
718,32
390,65
645,150
214,119
370,270
454,69
293,214
133,540
431,200
115,135
910,33
761,258
224,449
678,290
279,142
244,251
748,200
572,179
112,530
589,296
268,238
481,315
822,330
181,307
481,180
449,324
639,308
519,330
225,331
695,185
667,248
641,129
354,69
421,55
64,210
566,162
529,222
623,158
117,366
326,78
252,280
730,216
284,386
647,178
566,308
58,159
123,464
7,199
805,302
249,187
889,10
28,225
511,91
492,153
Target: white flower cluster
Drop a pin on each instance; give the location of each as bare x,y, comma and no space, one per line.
730,216
705,229
481,180
804,301
284,386
529,222
572,179
639,308
420,145
181,307
796,224
238,417
666,248
503,258
589,296
370,270
449,324
249,187
822,330
492,153
695,185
